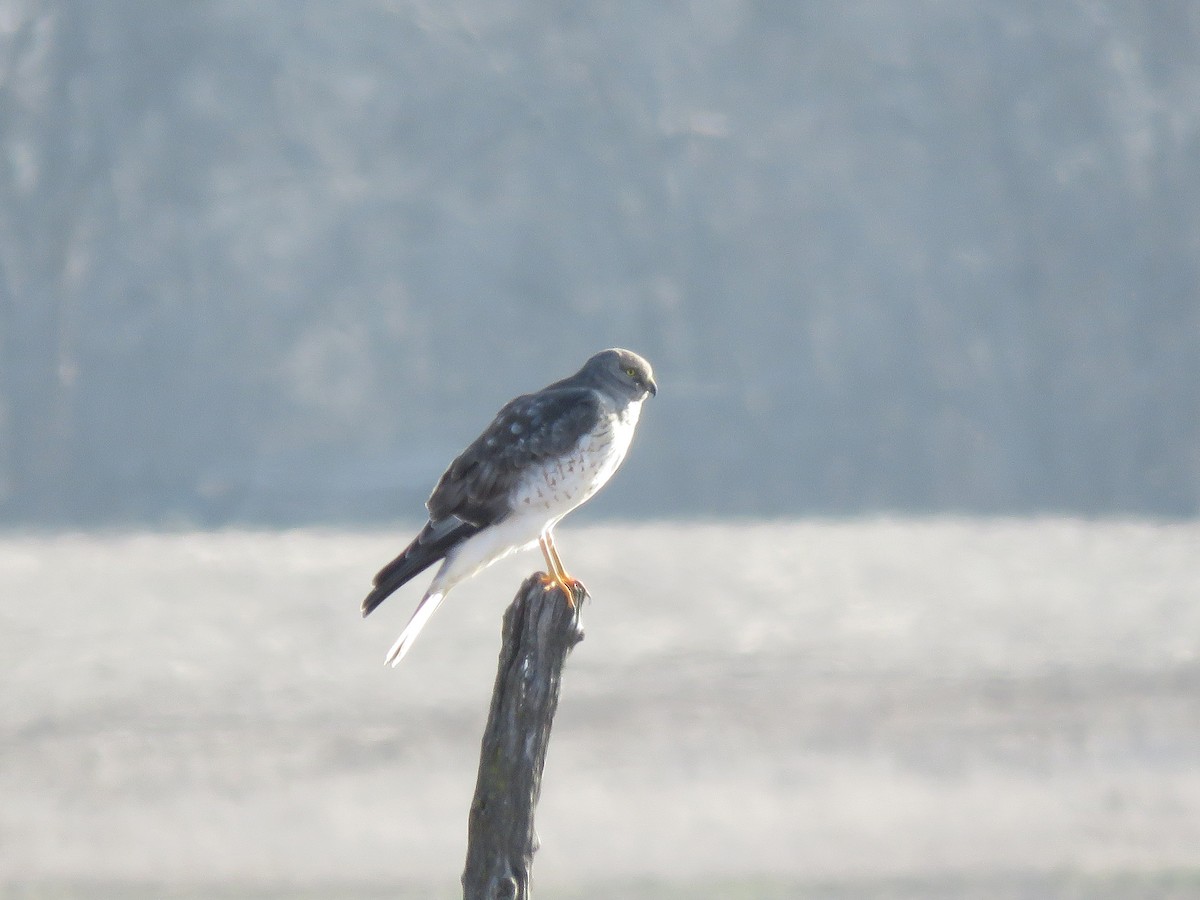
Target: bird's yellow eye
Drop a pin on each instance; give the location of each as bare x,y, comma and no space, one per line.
631,371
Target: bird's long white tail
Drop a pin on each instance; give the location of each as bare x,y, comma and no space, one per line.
426,608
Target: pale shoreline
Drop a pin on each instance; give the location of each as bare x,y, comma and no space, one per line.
837,702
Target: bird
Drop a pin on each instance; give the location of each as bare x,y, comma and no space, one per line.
543,455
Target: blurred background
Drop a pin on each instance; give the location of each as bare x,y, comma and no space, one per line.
896,592
276,262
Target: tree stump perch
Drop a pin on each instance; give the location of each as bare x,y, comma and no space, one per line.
540,629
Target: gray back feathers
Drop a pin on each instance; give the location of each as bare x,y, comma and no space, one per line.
534,428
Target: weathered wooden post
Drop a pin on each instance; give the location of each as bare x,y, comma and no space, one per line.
540,628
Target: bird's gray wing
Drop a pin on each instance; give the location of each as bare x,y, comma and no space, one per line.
530,429
435,540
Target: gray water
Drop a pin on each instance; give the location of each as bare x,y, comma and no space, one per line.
848,709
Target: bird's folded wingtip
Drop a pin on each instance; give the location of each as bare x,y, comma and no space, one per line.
373,599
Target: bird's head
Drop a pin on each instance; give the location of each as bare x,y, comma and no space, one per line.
624,372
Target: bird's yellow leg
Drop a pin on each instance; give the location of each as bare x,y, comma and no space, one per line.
556,577
558,563
568,582
551,568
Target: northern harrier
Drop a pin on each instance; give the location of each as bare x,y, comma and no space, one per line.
543,455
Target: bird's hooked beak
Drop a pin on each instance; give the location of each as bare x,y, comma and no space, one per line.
652,387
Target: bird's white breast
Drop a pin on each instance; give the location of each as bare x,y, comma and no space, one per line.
556,487
545,494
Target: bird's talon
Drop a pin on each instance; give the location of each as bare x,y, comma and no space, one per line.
568,586
574,586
